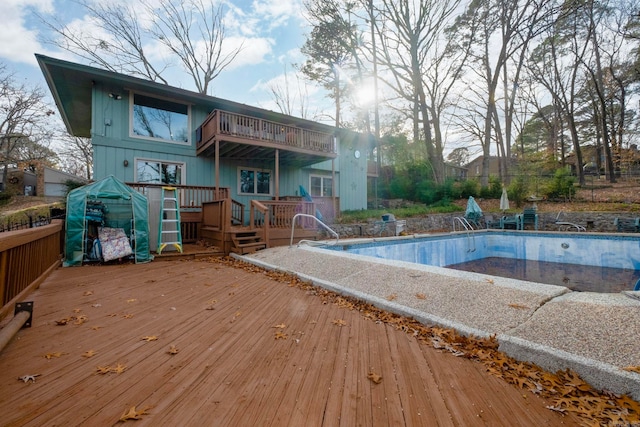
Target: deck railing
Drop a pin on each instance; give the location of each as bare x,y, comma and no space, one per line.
191,196
26,257
251,128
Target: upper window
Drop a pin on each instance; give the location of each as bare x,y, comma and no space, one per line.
254,181
160,119
321,186
157,172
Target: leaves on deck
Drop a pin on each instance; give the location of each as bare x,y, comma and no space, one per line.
173,350
150,338
421,296
89,353
28,378
87,293
339,322
518,306
280,326
56,354
281,336
133,414
635,369
117,369
392,297
375,378
565,390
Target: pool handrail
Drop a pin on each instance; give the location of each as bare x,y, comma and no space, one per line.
471,236
325,226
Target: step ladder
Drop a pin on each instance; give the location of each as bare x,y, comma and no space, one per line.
169,224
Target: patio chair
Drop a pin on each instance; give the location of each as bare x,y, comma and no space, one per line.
566,225
490,222
511,222
391,224
627,225
529,216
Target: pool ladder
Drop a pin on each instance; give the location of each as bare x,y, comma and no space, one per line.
471,236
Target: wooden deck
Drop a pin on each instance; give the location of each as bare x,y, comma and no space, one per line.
249,351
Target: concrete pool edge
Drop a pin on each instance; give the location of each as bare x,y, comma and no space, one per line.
600,374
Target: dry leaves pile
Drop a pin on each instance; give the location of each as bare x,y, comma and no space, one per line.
565,389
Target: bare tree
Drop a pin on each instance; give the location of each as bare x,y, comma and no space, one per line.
23,123
76,155
192,31
291,98
409,33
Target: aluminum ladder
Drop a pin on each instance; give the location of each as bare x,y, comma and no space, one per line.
169,224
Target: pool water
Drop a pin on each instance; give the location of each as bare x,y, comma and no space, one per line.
576,277
596,262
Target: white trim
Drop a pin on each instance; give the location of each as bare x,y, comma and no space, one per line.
322,178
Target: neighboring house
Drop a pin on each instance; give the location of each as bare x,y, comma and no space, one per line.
20,182
54,182
474,168
148,133
454,171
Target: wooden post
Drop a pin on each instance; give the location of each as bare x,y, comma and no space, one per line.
277,174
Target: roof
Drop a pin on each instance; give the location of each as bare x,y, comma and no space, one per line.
71,85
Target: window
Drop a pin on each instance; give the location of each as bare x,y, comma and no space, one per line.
160,119
158,172
321,186
253,181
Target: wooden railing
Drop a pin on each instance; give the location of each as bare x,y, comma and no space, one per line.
223,213
245,127
191,196
279,213
26,258
259,218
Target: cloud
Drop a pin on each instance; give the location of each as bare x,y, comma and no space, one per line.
18,42
253,50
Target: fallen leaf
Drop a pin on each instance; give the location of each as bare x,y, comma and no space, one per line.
280,326
77,310
632,369
130,300
149,338
339,322
80,320
64,321
87,293
119,368
377,379
95,328
172,350
421,296
212,301
102,370
28,378
281,336
52,355
518,306
127,316
132,414
89,353
392,297
490,281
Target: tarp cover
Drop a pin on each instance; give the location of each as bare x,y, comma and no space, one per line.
124,208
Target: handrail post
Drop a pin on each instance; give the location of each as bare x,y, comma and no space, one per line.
293,226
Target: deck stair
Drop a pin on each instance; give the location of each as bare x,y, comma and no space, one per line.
247,241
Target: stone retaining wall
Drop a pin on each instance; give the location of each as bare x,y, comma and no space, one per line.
593,221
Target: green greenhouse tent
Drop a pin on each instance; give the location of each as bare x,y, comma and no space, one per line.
106,220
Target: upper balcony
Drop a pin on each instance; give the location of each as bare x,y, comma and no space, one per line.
242,137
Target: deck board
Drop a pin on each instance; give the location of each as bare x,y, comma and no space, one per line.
230,369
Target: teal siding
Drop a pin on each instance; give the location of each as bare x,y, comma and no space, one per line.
112,145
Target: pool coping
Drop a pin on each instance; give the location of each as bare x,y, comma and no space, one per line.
341,274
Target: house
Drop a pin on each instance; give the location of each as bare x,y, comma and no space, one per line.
20,182
474,168
53,183
235,165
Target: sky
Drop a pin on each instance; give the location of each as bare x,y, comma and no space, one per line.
271,34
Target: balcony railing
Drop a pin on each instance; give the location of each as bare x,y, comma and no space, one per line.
236,127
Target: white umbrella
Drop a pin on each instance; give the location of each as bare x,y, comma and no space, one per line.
504,200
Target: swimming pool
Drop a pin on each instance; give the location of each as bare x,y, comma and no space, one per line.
602,255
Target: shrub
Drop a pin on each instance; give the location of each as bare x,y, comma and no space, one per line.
561,186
